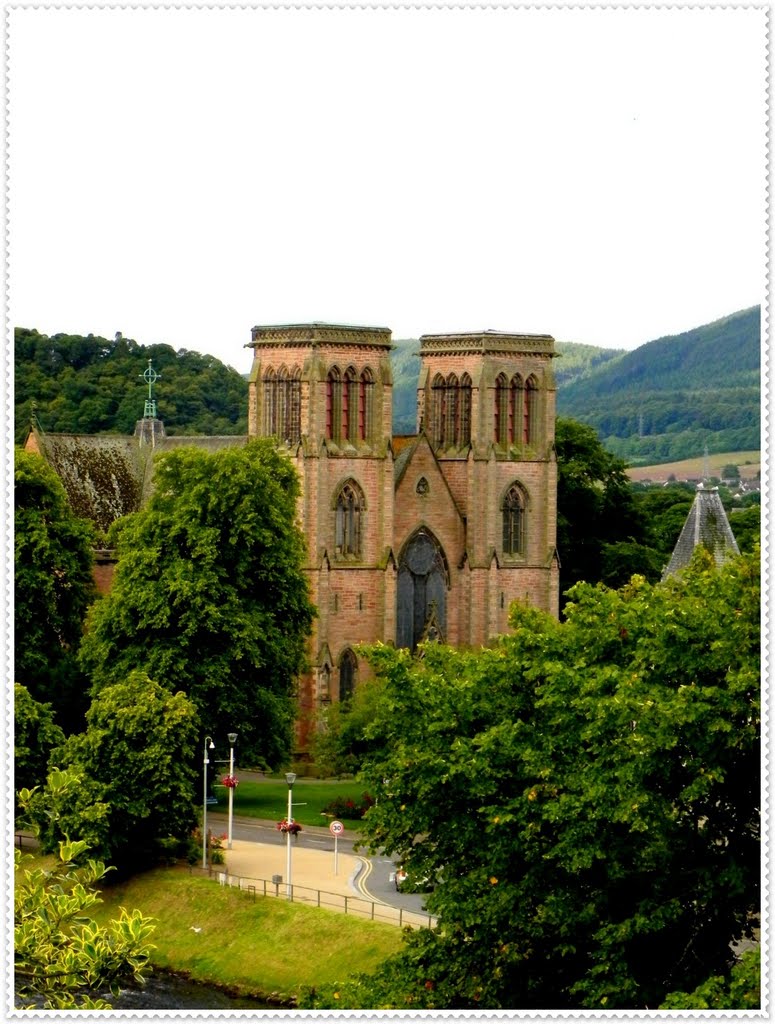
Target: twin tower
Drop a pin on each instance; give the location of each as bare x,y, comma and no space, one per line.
429,536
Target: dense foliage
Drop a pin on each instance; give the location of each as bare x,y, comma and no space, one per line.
209,595
585,794
35,734
63,960
136,797
668,398
53,587
89,385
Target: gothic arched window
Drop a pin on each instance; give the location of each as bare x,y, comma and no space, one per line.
530,412
282,404
334,404
464,414
501,410
514,516
349,405
366,406
438,395
421,598
516,405
348,669
450,410
348,516
269,397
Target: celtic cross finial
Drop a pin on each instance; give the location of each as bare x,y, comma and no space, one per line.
150,376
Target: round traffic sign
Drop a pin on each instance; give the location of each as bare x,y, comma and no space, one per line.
336,827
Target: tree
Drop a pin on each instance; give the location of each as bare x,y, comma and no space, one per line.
339,745
595,506
35,734
738,990
53,587
209,594
585,795
61,956
136,798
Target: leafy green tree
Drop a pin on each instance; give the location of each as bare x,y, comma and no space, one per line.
62,958
595,508
585,794
339,744
209,595
136,798
35,734
738,990
53,586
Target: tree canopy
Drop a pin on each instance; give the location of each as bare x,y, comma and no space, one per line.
584,794
209,595
53,586
136,797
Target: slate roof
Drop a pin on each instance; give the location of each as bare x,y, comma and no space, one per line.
706,524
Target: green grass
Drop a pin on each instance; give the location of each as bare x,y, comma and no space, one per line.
260,946
269,799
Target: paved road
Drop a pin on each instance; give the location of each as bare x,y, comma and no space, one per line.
375,882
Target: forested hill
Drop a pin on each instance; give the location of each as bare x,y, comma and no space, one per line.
89,385
670,397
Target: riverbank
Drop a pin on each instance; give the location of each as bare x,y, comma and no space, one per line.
252,946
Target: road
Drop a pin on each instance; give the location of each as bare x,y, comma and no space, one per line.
374,883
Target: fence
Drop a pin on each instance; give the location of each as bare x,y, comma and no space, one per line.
341,902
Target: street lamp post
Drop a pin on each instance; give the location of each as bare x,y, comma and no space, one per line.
205,762
232,741
290,778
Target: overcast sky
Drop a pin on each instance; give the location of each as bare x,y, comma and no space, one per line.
181,175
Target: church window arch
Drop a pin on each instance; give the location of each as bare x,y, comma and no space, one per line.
334,404
438,395
269,398
530,413
423,584
349,507
464,415
366,405
349,404
514,512
451,397
501,419
282,404
348,671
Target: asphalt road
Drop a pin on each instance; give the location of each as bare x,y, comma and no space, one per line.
376,882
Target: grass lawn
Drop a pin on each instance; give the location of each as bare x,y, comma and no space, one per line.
268,798
260,946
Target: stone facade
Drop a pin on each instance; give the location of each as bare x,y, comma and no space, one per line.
429,535
408,537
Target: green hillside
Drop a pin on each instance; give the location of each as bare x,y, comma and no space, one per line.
670,397
89,385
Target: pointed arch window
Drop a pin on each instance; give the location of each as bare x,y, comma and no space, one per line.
349,405
334,404
438,394
366,406
348,520
464,418
530,412
269,397
514,521
282,404
451,397
348,670
501,409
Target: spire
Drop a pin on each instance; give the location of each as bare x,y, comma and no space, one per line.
706,524
149,427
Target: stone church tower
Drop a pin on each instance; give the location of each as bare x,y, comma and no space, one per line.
409,538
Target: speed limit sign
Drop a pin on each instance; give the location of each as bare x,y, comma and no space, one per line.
336,827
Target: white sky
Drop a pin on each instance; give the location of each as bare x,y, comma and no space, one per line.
181,175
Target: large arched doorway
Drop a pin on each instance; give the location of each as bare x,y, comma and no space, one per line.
423,582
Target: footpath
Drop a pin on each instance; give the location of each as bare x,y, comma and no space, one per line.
317,877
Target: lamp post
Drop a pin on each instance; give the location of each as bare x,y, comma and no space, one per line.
290,778
205,762
232,741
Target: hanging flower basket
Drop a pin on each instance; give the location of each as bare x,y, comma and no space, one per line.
230,781
293,827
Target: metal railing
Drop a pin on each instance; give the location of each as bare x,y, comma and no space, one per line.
341,902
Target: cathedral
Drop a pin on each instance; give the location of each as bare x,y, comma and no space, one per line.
428,536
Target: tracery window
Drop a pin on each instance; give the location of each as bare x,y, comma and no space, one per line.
530,412
348,668
349,405
451,410
464,417
501,410
348,516
282,404
514,517
451,388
